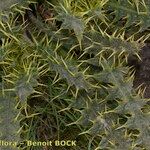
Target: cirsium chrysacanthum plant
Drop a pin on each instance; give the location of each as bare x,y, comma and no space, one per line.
69,60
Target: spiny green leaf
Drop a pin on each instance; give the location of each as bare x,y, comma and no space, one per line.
116,140
24,88
9,126
135,13
139,121
94,42
144,138
5,5
73,23
132,106
66,69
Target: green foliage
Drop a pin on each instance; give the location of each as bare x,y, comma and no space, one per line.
9,125
135,12
64,67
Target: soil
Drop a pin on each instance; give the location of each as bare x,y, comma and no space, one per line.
142,75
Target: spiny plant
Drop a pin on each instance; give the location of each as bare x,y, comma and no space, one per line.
64,69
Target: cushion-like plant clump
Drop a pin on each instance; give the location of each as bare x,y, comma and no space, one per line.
66,73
